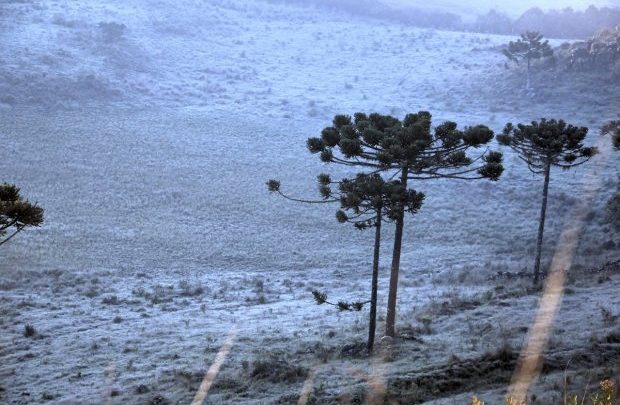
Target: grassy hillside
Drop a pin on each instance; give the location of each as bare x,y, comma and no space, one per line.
147,135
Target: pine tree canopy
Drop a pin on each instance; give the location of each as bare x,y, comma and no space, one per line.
547,141
530,46
363,198
367,196
15,212
383,142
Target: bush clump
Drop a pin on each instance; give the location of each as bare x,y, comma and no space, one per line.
277,370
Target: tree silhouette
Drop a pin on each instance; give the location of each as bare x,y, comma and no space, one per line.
412,150
542,145
365,201
527,48
16,214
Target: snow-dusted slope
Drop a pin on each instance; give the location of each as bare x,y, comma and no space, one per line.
147,130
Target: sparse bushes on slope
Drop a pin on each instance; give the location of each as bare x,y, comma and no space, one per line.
607,394
599,53
29,331
277,370
111,31
416,16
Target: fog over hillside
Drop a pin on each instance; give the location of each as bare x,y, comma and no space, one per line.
513,8
556,21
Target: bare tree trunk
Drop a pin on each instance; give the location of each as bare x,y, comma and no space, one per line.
527,85
541,224
390,322
372,325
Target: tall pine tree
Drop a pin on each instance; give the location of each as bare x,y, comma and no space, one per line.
366,202
542,145
410,150
526,49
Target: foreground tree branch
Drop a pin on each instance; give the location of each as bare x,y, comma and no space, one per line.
16,213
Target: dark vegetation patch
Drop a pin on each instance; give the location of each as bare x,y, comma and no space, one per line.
159,400
354,350
277,370
493,368
30,331
613,337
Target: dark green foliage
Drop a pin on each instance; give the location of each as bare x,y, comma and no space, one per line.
527,48
384,142
368,196
478,135
273,185
16,213
547,141
321,298
493,168
29,331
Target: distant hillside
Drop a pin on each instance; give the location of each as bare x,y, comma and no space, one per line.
425,17
566,23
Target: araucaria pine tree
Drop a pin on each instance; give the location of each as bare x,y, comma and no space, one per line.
408,150
541,145
366,202
16,214
528,48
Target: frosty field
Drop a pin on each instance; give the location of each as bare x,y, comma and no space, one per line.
149,147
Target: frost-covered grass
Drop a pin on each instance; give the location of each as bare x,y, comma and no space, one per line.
149,145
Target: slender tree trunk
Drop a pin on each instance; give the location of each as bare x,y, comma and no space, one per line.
541,224
527,85
372,325
390,322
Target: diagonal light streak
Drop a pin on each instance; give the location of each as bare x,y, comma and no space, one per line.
530,359
306,390
110,373
207,381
